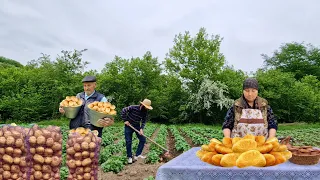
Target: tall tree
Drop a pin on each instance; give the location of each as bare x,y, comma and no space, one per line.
129,81
194,58
297,58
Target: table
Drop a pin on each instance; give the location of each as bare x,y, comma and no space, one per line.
188,166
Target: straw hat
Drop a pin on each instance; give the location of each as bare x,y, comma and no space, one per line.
146,103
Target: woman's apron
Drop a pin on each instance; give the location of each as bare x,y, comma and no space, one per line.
250,122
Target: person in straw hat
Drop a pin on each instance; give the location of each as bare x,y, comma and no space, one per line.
88,96
136,116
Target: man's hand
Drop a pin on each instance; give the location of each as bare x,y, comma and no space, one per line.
106,122
61,110
141,131
127,123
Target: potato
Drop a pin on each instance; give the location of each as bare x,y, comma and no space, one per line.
56,137
55,169
46,168
70,177
33,150
40,150
78,156
57,176
77,147
48,152
87,170
8,159
19,143
56,147
2,141
87,139
38,158
29,131
78,163
10,141
41,140
15,176
33,140
37,175
16,160
47,160
71,151
85,154
6,167
71,163
15,169
23,162
92,155
46,133
87,176
79,170
55,161
2,151
86,162
17,152
79,177
84,146
46,176
59,153
92,146
37,167
6,175
16,134
49,142
7,134
37,133
80,139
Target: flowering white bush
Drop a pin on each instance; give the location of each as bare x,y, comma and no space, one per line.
209,95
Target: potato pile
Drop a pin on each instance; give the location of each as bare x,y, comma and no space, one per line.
243,152
13,164
103,107
45,152
71,101
83,148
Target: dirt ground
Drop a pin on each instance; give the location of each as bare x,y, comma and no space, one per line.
137,170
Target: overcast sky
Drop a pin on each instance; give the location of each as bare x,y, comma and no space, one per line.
130,28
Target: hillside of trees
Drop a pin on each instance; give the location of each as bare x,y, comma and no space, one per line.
192,84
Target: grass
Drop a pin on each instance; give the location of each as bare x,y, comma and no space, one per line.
293,126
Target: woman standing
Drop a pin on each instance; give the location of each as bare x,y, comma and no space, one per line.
250,114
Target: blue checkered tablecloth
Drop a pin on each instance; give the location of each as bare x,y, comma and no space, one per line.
188,166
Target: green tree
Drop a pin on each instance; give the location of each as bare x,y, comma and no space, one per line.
292,100
297,58
233,79
34,92
193,58
6,62
128,81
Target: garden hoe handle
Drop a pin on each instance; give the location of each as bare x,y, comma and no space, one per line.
149,138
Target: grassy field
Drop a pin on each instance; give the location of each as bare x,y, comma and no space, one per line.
176,138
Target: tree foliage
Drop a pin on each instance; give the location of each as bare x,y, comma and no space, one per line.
192,85
297,58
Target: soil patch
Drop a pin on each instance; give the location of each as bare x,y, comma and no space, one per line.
137,170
